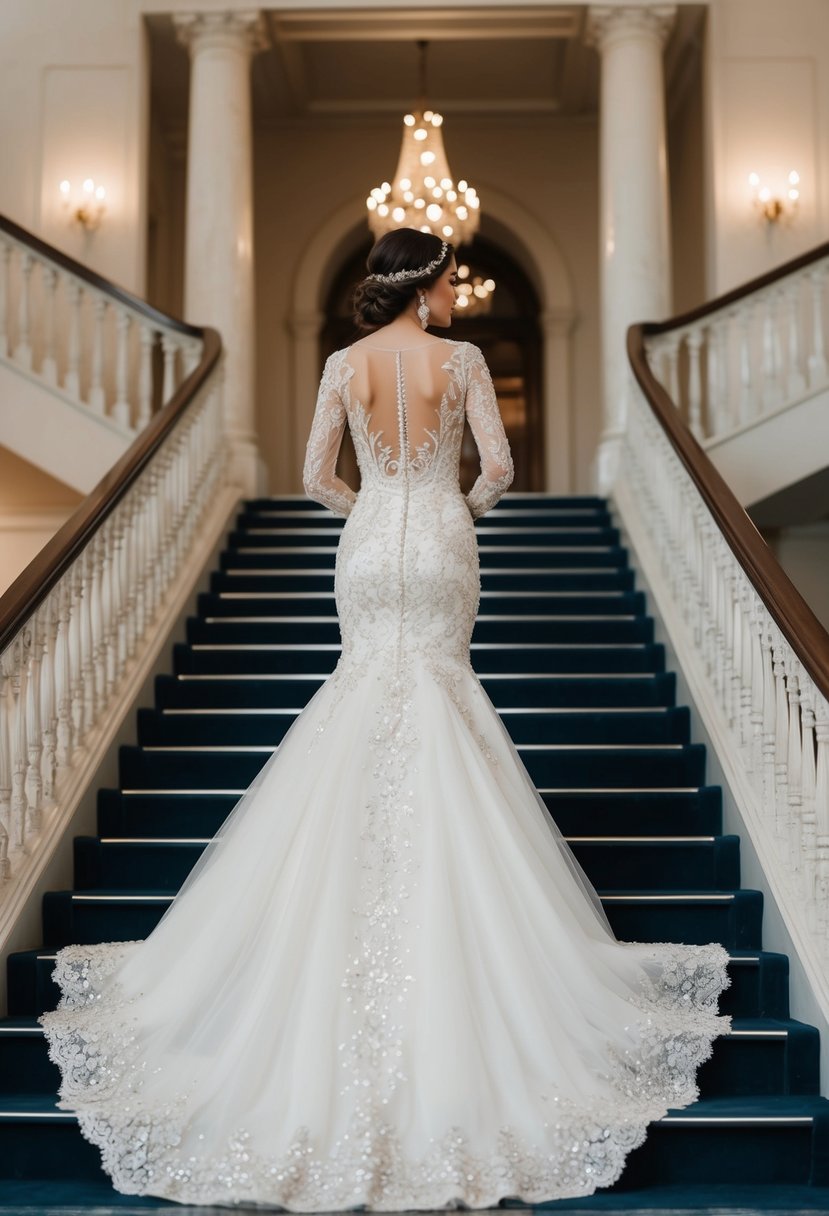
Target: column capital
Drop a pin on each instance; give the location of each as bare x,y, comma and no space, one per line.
245,30
609,24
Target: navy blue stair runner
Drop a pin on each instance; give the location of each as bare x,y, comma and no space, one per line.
564,647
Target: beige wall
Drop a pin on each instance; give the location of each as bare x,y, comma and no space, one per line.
767,112
33,506
73,104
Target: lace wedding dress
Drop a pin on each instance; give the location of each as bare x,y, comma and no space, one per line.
387,981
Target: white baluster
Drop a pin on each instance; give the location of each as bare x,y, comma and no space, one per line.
5,764
817,359
770,396
65,726
781,735
694,342
48,697
49,365
796,381
97,401
23,349
121,408
72,380
822,815
34,730
145,375
744,320
169,346
794,760
89,689
21,646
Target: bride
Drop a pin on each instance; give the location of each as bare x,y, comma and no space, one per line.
387,982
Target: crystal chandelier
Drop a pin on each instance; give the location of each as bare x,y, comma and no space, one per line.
423,194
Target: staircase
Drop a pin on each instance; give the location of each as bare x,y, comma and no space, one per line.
564,647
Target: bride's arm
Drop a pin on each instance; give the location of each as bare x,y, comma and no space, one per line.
319,478
488,430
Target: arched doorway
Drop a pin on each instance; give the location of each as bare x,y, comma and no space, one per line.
505,326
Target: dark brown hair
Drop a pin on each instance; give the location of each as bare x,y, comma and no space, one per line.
377,304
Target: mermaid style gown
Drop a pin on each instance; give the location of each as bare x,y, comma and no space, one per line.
387,981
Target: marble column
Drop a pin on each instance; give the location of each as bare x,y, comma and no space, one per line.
219,286
557,326
635,250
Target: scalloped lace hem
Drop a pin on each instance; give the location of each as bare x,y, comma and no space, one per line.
146,1149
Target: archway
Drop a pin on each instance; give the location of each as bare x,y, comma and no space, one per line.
534,251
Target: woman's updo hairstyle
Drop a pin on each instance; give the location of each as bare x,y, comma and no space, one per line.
376,304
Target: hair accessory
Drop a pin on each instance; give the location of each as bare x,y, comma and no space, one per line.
402,276
423,311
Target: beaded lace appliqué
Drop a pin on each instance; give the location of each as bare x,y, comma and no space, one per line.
95,1036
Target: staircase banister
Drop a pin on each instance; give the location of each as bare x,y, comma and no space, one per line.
795,619
683,320
32,586
120,294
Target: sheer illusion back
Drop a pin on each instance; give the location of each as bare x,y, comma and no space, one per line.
406,410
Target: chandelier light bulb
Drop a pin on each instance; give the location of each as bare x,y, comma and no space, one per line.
423,193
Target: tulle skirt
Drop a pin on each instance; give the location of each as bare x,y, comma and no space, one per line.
387,982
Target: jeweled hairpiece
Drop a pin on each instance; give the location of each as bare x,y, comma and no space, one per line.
402,276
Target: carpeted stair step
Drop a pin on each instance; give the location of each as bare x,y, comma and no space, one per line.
492,603
759,1056
550,765
495,533
759,984
776,1139
610,673
527,516
732,917
162,863
577,812
544,724
492,556
651,812
520,579
771,1138
696,917
535,627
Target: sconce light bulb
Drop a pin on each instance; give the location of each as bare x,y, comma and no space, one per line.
794,195
65,187
89,185
794,178
100,192
753,180
765,194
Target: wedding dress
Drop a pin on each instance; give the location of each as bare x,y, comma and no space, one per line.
387,981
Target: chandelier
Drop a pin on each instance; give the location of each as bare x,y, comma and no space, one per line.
423,194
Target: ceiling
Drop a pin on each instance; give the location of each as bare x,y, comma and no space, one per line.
325,65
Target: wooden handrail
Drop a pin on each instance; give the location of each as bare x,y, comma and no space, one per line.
32,586
795,619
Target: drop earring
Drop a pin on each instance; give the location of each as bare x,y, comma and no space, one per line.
423,311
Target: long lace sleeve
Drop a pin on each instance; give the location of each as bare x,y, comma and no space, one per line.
488,430
319,478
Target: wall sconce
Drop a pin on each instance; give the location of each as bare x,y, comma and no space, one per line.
87,207
772,208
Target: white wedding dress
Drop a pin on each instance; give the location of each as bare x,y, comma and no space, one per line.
387,982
